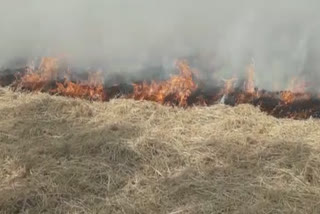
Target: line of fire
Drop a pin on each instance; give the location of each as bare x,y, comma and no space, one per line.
183,89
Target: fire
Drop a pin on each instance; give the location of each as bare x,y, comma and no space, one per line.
46,78
49,68
229,85
296,90
92,89
288,96
177,89
181,89
37,80
297,85
249,84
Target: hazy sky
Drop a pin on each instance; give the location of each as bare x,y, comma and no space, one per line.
281,36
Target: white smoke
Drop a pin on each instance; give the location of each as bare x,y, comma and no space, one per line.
126,35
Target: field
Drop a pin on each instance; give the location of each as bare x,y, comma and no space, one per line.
63,155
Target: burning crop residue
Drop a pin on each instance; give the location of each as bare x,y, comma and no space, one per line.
182,89
91,89
48,77
174,91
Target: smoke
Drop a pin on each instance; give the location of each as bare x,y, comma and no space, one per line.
220,37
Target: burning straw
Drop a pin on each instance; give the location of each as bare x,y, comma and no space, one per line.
182,89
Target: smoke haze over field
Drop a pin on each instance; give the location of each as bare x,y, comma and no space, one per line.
221,37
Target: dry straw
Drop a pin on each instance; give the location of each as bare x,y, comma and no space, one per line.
61,155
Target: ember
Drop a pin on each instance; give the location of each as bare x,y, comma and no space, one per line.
182,89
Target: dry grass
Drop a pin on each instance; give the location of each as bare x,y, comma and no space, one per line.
60,155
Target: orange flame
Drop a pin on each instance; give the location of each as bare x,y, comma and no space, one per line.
178,88
229,85
297,85
52,76
92,89
249,84
287,96
295,90
48,72
36,80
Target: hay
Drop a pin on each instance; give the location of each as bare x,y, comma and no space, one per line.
60,155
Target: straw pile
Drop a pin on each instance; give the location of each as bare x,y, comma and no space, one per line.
61,155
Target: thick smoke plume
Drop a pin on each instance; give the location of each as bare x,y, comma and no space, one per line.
218,37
